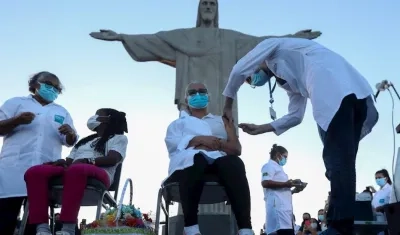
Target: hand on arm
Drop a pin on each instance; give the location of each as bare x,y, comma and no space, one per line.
232,145
209,143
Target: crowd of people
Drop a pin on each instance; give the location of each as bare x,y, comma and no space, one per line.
34,129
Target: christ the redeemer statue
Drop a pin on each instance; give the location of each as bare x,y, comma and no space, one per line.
205,53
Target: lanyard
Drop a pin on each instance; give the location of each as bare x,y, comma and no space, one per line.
272,112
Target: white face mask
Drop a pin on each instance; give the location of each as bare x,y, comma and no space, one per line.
92,123
313,225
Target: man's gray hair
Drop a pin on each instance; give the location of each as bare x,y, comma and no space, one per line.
194,82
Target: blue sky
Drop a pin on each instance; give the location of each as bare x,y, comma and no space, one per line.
54,36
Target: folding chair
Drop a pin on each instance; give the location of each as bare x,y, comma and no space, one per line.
213,193
96,194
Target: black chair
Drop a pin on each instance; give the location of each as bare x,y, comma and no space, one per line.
213,193
96,194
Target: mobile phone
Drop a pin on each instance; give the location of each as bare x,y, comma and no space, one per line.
307,223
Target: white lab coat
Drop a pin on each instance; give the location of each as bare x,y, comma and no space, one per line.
181,131
31,144
311,71
278,202
381,198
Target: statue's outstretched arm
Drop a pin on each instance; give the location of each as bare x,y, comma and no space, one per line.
141,47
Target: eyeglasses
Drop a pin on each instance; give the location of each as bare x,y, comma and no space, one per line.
201,91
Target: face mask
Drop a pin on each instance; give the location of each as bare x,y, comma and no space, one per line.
321,217
381,182
47,92
198,101
92,123
313,225
283,161
259,78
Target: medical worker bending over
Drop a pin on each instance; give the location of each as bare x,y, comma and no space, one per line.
342,107
97,155
202,143
278,193
34,129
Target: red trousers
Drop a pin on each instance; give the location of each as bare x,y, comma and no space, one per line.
75,180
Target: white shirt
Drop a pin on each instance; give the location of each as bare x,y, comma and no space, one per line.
381,198
181,131
311,71
31,144
278,202
117,143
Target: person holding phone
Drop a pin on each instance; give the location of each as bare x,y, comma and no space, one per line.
278,193
34,129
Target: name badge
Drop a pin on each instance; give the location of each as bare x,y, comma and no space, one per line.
381,201
59,119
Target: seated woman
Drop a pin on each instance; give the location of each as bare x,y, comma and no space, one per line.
96,156
200,143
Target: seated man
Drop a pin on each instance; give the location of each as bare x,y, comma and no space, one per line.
200,142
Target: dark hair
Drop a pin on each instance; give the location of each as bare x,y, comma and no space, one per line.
34,79
277,149
116,125
385,173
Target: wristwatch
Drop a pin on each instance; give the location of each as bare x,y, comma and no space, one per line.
92,161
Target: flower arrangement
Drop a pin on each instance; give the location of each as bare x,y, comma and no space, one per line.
129,221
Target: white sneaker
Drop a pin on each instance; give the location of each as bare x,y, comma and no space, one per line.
43,233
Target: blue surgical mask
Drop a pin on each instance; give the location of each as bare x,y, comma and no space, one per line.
47,92
259,78
381,182
198,101
321,217
282,161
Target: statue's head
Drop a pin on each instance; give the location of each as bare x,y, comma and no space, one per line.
207,15
197,96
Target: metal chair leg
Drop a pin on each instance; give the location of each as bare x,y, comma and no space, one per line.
233,224
99,206
167,218
158,211
53,219
24,218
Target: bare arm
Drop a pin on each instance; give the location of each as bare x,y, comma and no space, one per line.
232,145
274,184
8,125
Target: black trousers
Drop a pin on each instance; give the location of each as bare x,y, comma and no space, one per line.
231,173
285,232
341,142
9,211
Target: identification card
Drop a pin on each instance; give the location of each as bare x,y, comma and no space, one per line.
59,119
